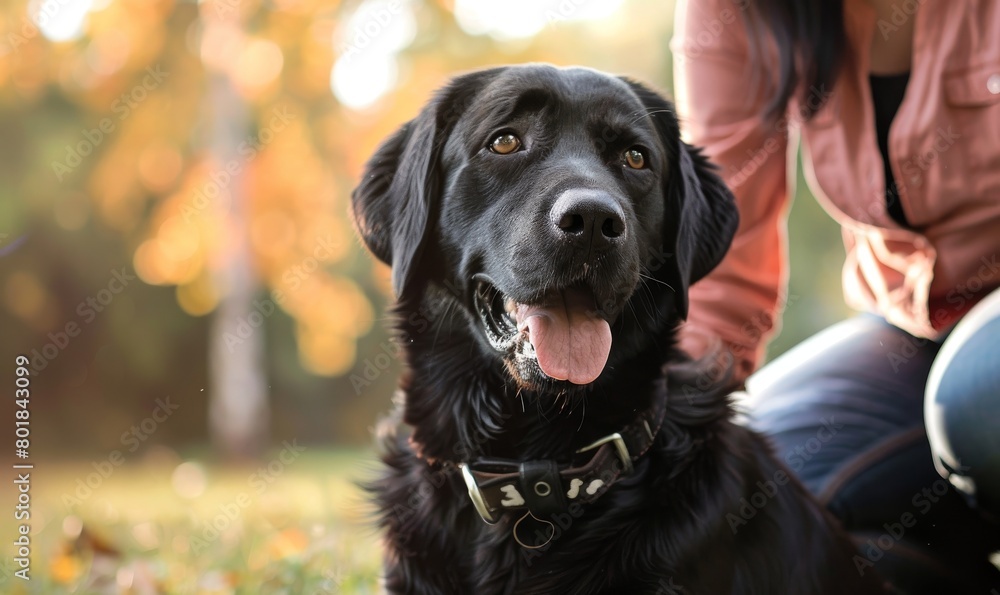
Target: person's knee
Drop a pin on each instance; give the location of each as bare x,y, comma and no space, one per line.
962,409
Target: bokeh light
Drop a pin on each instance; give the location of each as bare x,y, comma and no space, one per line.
368,44
60,20
517,19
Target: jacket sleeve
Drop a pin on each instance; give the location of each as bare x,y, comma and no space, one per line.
735,307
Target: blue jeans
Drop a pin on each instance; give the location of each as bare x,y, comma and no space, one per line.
900,438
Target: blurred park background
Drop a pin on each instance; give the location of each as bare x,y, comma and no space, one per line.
177,262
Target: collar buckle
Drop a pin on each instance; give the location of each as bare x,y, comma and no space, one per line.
619,444
476,495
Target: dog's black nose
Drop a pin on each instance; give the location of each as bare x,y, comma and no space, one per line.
592,217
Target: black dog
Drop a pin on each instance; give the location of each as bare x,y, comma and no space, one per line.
543,226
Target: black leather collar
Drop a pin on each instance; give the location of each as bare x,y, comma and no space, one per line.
543,488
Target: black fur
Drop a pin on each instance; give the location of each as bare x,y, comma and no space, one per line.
439,207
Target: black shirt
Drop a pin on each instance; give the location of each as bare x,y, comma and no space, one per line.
887,95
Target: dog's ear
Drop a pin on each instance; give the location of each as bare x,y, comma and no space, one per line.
396,203
700,217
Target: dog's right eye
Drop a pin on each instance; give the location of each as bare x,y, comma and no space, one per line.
505,143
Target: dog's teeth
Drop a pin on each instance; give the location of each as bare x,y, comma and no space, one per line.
510,306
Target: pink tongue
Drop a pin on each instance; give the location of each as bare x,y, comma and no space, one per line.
571,341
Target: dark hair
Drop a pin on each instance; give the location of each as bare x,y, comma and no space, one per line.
810,40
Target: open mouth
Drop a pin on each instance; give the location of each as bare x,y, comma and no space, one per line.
496,312
564,334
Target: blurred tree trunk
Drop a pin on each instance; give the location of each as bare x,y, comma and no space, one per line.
238,412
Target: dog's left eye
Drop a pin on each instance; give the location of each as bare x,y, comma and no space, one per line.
505,143
635,158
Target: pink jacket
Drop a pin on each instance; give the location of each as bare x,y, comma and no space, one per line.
945,144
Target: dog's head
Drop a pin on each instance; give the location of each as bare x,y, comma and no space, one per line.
558,207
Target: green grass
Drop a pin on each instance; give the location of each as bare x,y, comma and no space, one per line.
300,526
305,527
